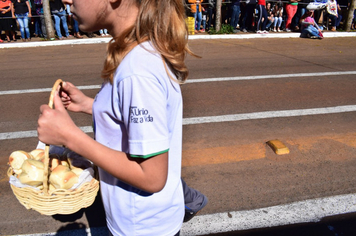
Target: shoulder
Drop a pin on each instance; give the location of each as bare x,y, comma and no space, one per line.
142,61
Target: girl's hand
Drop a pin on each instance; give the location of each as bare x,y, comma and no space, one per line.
75,100
55,126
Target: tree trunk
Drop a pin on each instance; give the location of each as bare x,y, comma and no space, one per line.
48,20
350,16
218,15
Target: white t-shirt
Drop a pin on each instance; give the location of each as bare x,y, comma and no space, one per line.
141,114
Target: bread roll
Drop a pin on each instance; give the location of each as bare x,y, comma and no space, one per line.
16,160
63,178
37,154
32,172
77,171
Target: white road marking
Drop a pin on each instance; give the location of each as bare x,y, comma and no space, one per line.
189,81
298,212
222,118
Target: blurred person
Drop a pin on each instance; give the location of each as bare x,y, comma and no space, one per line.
261,17
195,6
309,28
332,8
291,8
74,23
301,9
270,15
210,12
278,14
235,14
21,10
60,18
247,16
7,23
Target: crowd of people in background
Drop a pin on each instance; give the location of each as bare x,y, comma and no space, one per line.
259,16
27,17
263,16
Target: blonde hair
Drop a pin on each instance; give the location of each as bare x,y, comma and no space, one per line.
162,22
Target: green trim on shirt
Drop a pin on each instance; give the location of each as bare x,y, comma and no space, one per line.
149,155
293,3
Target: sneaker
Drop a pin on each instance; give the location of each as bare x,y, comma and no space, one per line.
265,32
288,30
279,30
274,30
259,32
314,37
189,213
244,30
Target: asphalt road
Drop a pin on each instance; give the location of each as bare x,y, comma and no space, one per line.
240,94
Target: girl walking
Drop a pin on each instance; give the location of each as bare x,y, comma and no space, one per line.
137,115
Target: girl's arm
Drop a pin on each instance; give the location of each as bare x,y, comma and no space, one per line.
56,127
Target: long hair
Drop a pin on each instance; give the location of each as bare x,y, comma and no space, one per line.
162,22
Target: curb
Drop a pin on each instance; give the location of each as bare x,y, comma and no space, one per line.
190,37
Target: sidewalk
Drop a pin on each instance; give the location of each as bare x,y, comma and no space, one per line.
38,42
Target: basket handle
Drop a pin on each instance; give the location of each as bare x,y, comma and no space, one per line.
55,87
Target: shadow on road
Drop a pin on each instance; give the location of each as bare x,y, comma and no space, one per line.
95,215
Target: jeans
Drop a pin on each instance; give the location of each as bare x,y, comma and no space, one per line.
43,26
23,22
335,21
198,18
277,22
235,15
58,17
311,30
37,23
210,16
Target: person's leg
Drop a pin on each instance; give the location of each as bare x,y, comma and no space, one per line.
20,19
264,16
57,24
27,29
233,22
199,18
194,201
280,19
210,15
259,17
338,20
289,11
43,26
63,17
314,32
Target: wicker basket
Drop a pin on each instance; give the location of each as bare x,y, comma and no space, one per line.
58,201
